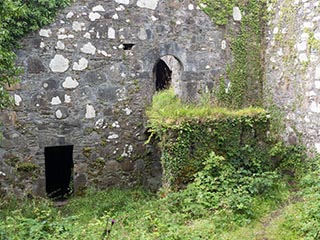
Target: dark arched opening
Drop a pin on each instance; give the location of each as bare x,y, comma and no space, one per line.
163,75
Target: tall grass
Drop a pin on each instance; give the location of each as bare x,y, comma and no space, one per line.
168,109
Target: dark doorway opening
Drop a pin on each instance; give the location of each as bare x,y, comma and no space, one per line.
59,169
163,75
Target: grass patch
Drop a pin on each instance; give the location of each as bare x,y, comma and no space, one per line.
167,109
138,214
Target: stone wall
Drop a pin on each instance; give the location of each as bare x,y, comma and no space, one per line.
89,77
293,68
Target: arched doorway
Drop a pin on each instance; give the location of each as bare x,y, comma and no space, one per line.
167,73
163,75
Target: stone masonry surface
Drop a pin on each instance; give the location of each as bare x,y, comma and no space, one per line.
293,68
82,87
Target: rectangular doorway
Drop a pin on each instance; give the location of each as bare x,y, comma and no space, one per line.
59,170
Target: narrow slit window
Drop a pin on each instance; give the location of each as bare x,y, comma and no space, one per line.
128,46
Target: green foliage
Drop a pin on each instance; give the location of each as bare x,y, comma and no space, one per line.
17,18
26,167
222,160
219,11
167,109
304,217
188,133
245,73
223,188
290,160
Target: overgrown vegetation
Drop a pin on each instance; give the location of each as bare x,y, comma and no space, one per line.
17,18
142,215
243,84
189,133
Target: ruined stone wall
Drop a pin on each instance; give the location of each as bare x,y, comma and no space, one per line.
293,67
88,79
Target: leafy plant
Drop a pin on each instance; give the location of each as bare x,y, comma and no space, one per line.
17,18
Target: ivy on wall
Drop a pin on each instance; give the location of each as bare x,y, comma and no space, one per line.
17,18
188,133
243,83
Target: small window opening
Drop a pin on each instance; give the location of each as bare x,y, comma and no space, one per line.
59,170
163,75
128,46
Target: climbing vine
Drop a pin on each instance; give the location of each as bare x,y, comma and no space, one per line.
17,18
243,83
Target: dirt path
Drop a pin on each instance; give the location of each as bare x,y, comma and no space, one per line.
268,220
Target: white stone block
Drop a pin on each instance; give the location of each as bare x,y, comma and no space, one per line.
317,75
126,2
302,46
77,26
94,16
120,8
45,32
317,84
223,44
55,100
90,111
303,57
62,36
59,63
311,94
17,100
60,45
88,48
308,25
115,16
153,18
150,4
236,14
70,83
98,8
190,7
69,15
81,65
317,147
113,136
111,33
58,114
315,107
67,98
